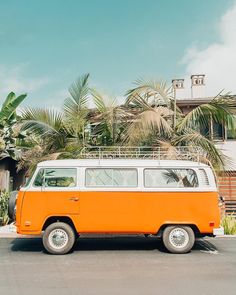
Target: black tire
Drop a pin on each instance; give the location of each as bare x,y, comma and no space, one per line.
178,239
12,205
66,238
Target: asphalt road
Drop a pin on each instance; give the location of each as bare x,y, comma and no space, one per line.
124,265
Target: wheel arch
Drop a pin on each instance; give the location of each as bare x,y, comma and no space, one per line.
53,219
193,226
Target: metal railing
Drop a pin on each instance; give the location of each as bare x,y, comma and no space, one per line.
143,152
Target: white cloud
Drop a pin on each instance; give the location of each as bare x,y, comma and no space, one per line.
15,79
218,60
56,98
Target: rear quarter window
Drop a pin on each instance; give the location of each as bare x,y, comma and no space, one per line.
170,178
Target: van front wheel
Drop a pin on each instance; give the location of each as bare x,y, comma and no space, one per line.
178,239
58,238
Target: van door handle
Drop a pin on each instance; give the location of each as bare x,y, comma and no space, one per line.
75,199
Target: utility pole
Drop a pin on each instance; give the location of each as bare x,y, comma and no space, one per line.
174,107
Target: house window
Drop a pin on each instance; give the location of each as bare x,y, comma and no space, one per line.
218,132
231,132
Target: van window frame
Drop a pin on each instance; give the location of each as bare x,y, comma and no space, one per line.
140,188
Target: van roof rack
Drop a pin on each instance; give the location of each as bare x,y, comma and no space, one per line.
191,153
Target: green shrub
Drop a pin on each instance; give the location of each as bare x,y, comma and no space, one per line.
4,219
229,224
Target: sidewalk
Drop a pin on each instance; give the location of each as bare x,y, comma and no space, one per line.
9,231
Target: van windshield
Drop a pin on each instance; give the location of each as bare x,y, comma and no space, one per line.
27,180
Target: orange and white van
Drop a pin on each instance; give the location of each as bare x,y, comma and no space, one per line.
174,199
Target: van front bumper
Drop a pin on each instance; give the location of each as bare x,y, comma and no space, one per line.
218,231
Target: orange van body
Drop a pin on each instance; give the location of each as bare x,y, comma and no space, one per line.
119,211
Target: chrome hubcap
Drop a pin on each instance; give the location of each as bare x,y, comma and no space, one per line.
179,237
58,238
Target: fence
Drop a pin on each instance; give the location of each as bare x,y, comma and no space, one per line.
227,189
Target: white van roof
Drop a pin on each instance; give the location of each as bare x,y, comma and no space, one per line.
120,163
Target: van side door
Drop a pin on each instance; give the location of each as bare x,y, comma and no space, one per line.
54,192
61,191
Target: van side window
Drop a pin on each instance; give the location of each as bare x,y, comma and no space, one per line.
170,178
111,177
56,177
60,177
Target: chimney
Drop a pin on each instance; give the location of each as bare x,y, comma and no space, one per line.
178,86
198,86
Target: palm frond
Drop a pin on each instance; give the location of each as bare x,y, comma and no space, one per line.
158,91
100,102
151,120
79,91
75,108
213,155
109,116
42,122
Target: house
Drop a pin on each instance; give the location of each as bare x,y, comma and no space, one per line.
224,138
10,178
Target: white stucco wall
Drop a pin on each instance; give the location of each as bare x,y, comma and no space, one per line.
229,149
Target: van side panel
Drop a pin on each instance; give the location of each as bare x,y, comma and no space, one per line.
119,212
146,212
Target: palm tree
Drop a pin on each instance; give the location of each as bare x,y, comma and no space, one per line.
9,121
150,121
35,150
51,133
155,93
145,119
75,109
154,122
110,119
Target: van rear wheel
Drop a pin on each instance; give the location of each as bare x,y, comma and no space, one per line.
178,239
58,238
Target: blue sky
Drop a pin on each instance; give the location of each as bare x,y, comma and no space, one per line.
45,45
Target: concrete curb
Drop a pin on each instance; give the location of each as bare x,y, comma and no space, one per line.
11,235
227,236
15,235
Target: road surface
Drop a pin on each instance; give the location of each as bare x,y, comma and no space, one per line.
118,265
